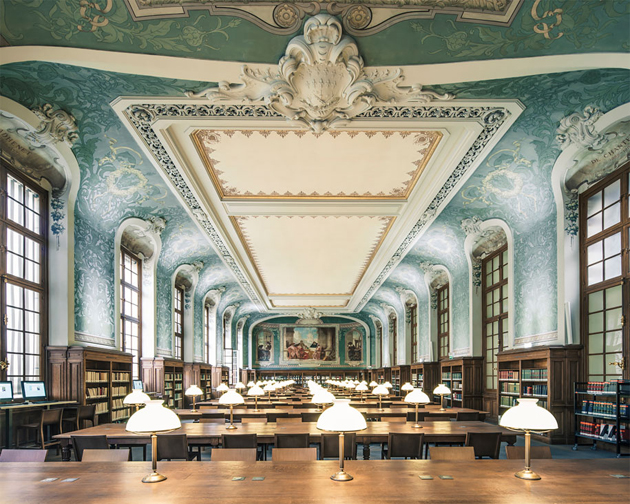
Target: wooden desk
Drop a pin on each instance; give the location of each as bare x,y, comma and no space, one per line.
383,481
376,432
10,408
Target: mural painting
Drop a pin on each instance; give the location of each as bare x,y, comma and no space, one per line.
264,346
309,346
354,346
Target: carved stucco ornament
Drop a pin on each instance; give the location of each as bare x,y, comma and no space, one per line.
579,129
321,81
309,316
55,126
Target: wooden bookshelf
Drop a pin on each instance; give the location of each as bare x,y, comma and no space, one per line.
165,377
91,376
303,376
544,373
464,376
400,376
205,381
426,376
199,374
383,375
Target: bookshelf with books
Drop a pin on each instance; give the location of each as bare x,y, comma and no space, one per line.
92,376
425,375
205,381
400,376
464,377
543,373
602,413
383,375
165,377
200,374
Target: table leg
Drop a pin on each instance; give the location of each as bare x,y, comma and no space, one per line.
366,451
8,428
66,453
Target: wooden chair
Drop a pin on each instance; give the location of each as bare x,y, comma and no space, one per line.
254,420
233,455
218,414
308,416
411,415
80,443
486,444
404,445
274,415
291,440
468,416
207,407
285,420
174,446
395,419
284,408
47,418
293,454
212,420
329,446
106,455
535,452
454,453
436,418
23,455
239,440
82,414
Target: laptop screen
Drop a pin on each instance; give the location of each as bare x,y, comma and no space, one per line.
33,390
6,391
137,385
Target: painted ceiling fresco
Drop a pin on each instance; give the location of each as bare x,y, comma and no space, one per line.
119,181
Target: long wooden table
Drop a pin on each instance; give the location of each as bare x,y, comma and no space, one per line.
376,432
383,481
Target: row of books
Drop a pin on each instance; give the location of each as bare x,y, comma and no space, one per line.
101,407
457,385
120,391
609,386
534,390
457,375
604,408
446,375
507,401
117,403
121,376
535,374
604,431
508,374
95,392
95,376
457,396
120,414
511,388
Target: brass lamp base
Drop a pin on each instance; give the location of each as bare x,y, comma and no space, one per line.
417,426
154,477
231,427
527,474
194,410
341,476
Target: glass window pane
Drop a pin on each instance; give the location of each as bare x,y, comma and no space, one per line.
612,193
613,319
595,273
595,364
32,322
32,200
14,318
32,343
16,365
32,364
596,322
614,342
594,225
612,215
613,369
594,204
14,295
594,253
613,297
32,300
15,341
596,301
595,343
612,245
612,268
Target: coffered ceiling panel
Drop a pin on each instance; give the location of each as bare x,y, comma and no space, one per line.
311,255
307,165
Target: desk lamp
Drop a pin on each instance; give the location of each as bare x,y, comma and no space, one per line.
407,387
193,391
250,384
362,387
341,418
442,390
528,417
151,419
256,391
223,388
240,386
136,398
380,391
388,386
269,388
416,396
231,397
373,384
321,398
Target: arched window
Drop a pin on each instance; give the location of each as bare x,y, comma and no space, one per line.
605,270
131,307
23,225
178,321
443,321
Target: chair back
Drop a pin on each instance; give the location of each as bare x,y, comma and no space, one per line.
468,416
293,454
51,417
106,455
274,415
411,415
233,455
395,419
214,414
309,416
219,421
486,444
452,453
81,443
284,408
254,420
23,455
87,412
207,407
436,418
291,440
404,445
239,441
329,447
172,446
535,452
285,420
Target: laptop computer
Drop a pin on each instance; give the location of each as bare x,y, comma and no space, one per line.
34,391
6,391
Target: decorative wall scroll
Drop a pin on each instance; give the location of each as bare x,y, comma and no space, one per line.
321,81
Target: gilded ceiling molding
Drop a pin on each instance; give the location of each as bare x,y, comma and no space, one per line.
321,81
359,17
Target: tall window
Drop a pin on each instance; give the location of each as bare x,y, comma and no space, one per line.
495,311
178,321
412,315
23,227
443,321
605,270
130,307
393,336
206,331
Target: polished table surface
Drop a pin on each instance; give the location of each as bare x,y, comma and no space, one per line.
382,481
376,432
